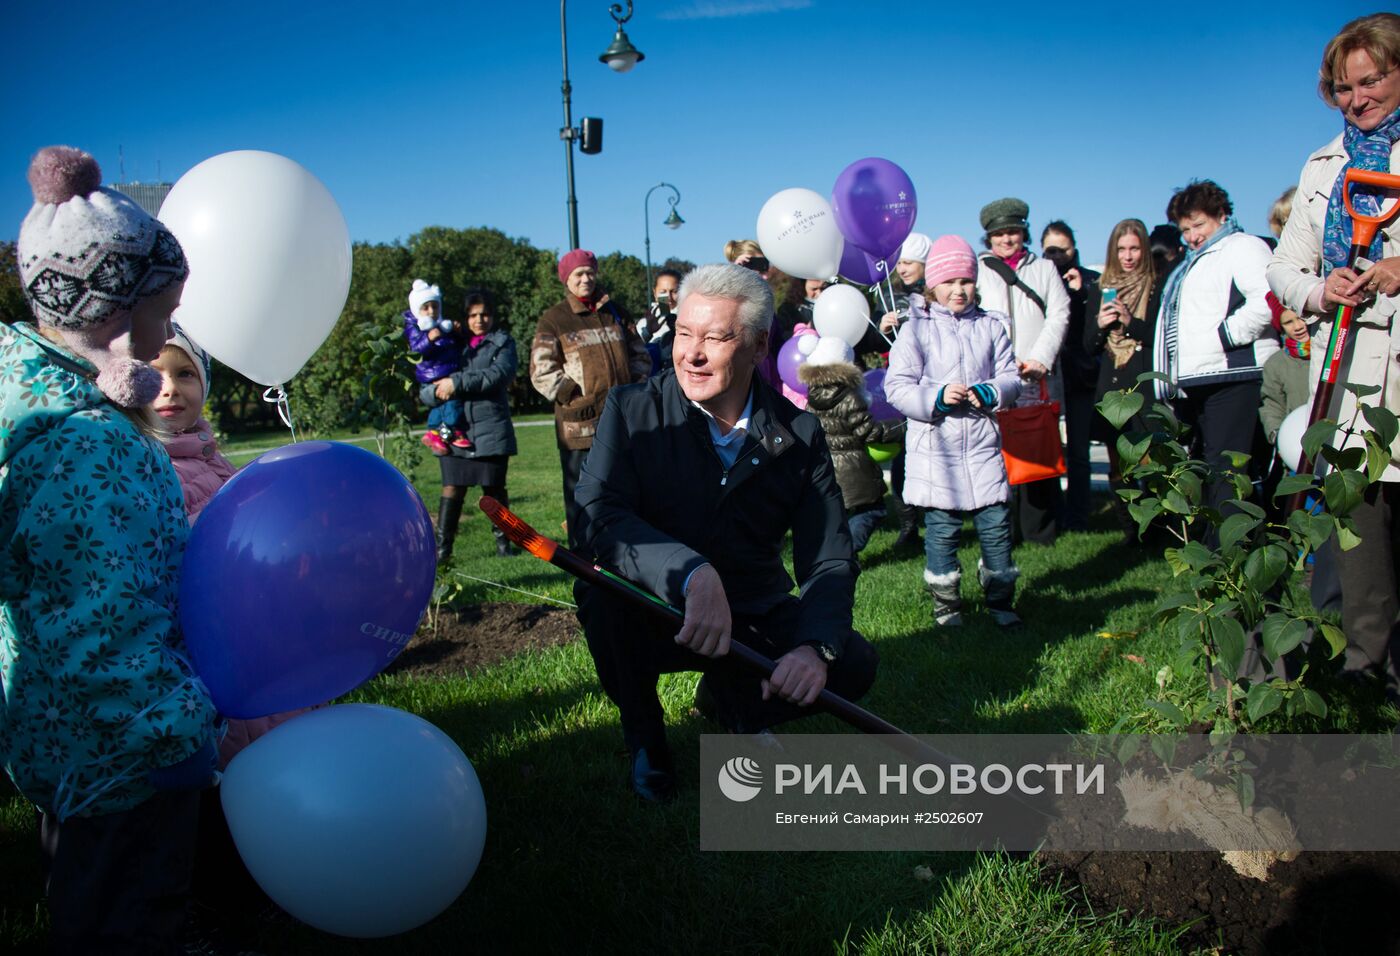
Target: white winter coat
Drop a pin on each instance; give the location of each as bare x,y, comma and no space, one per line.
1035,334
1295,271
953,459
1224,324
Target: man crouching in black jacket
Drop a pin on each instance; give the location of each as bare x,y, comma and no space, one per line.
693,482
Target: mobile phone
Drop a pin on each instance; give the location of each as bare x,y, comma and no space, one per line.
757,264
1109,295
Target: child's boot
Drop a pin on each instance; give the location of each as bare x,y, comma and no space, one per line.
1000,590
504,549
947,597
435,443
460,439
449,514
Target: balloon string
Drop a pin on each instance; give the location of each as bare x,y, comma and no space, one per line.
277,395
881,266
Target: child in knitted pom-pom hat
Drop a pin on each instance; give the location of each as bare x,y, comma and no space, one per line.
438,342
103,725
951,368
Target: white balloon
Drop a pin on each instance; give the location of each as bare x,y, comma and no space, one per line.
798,233
843,312
1290,436
269,256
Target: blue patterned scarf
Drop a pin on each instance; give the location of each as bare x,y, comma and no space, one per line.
1364,151
1164,352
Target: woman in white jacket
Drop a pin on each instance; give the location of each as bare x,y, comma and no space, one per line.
1014,281
1360,76
1215,328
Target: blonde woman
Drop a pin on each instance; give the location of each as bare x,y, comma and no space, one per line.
1360,76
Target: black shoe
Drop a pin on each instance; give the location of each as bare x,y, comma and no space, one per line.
504,549
653,778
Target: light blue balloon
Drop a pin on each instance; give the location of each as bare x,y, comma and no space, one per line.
360,820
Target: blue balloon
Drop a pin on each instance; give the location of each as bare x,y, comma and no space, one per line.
360,820
304,577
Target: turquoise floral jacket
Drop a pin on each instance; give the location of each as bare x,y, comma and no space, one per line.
94,685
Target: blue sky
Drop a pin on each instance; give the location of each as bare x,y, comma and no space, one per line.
418,114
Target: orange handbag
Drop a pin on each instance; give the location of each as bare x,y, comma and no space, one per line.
1030,440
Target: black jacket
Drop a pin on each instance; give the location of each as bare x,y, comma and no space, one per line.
836,395
483,384
658,503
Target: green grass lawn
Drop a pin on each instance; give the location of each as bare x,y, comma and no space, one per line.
574,863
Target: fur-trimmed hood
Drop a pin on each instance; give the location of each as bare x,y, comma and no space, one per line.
837,373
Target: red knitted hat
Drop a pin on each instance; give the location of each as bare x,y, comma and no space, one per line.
572,260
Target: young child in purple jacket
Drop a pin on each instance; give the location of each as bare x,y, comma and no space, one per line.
951,368
438,344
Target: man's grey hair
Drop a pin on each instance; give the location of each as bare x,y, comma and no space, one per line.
725,281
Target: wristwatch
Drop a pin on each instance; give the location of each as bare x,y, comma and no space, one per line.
824,650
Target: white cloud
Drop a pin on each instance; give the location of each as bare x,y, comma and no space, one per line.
725,9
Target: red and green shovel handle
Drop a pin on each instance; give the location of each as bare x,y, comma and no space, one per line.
1364,229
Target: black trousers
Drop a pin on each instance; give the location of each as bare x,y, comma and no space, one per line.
1371,588
1035,507
119,883
571,463
631,650
1224,418
1079,421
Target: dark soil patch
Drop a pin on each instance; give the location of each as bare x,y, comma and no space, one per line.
1317,903
477,635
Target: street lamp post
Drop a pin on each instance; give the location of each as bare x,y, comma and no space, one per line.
620,56
672,221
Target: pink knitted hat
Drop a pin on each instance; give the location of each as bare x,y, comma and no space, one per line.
949,258
87,257
572,260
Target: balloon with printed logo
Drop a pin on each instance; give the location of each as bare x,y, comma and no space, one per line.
304,577
793,355
269,256
360,820
798,234
842,311
875,206
880,409
862,268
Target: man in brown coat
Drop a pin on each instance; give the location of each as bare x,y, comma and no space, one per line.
583,347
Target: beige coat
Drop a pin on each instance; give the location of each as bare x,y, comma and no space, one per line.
1295,271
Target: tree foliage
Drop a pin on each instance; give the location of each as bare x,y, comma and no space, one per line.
13,308
345,384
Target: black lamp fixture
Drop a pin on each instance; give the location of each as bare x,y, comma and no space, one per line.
621,55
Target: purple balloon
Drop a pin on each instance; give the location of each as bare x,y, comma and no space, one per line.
790,359
862,268
875,205
880,409
304,577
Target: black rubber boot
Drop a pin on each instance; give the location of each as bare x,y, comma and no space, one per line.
449,514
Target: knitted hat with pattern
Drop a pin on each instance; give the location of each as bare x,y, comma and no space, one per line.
88,256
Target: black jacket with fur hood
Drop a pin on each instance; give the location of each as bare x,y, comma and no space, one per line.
836,395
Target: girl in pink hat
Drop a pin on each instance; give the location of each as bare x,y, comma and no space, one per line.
951,368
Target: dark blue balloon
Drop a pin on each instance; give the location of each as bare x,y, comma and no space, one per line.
304,577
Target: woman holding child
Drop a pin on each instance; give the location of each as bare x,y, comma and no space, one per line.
481,385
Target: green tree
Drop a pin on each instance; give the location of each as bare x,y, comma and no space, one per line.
13,307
